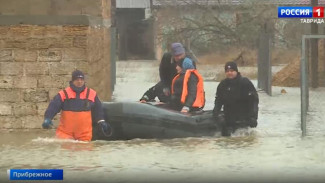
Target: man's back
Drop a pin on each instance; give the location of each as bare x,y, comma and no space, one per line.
167,69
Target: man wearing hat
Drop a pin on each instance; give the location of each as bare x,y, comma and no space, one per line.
239,99
167,71
80,107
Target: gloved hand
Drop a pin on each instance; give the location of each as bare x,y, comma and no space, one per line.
105,127
47,123
253,122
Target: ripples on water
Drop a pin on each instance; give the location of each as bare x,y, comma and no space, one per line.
273,152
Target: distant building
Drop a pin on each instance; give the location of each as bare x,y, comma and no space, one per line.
135,39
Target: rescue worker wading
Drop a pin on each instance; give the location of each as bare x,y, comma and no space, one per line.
187,88
80,107
239,99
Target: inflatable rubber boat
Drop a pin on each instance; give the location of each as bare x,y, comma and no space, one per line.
131,120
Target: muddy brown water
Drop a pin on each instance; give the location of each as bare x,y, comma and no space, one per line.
273,152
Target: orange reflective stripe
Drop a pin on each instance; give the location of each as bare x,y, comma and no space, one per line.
200,98
184,91
175,78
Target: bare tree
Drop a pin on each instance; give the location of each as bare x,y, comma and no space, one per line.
214,25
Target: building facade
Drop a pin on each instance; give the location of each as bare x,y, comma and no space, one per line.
41,43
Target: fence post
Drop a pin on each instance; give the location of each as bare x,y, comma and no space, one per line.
303,88
264,64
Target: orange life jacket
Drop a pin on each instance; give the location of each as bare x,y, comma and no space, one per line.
200,96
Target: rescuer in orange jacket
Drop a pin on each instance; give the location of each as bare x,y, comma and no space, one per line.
80,107
187,88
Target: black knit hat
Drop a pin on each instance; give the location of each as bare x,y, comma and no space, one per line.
77,74
231,65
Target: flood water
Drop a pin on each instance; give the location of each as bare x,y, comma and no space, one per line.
272,152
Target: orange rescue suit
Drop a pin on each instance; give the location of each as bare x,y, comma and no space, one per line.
76,123
200,97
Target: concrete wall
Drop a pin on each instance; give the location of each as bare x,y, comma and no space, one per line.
39,48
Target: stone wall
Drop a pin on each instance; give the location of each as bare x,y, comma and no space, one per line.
36,60
53,7
99,62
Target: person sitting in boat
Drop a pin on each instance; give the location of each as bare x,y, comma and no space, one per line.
187,92
239,99
167,71
80,107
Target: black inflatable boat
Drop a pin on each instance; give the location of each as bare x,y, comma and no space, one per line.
131,120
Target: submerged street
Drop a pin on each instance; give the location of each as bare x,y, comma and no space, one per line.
273,152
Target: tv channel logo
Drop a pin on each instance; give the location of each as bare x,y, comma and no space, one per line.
301,12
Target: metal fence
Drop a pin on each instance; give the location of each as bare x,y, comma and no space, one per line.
231,2
312,87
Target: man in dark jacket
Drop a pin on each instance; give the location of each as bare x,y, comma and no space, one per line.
239,99
167,71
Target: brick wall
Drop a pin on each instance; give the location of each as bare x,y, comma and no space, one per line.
36,62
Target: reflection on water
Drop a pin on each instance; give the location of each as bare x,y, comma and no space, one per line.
273,152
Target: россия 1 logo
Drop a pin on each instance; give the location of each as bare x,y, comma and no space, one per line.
301,12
